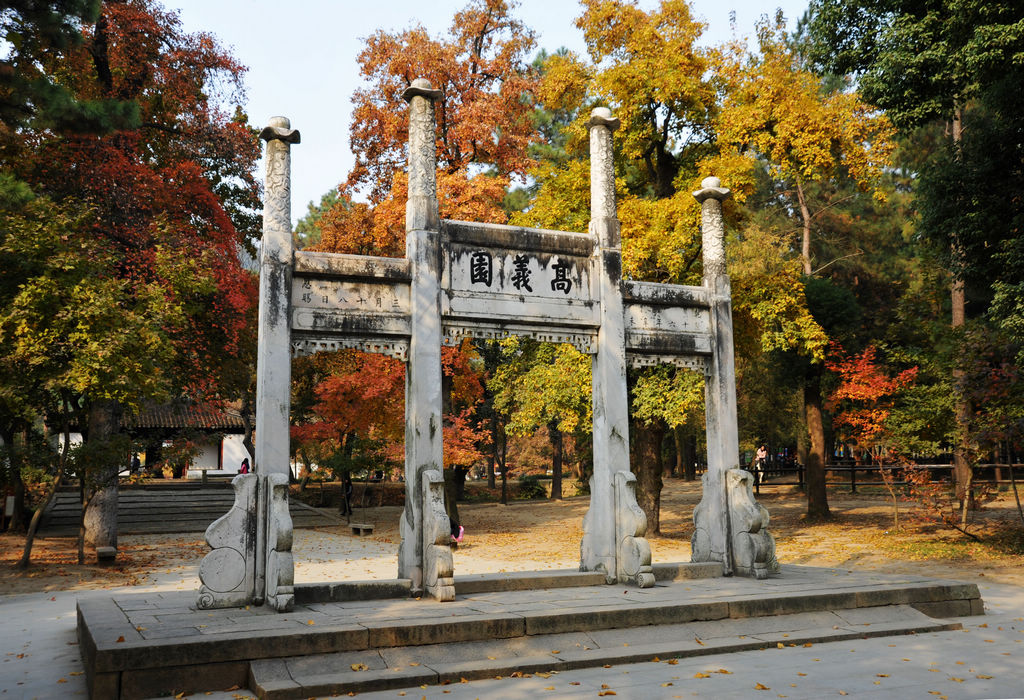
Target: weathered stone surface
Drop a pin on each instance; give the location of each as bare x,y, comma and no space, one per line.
227,573
438,575
306,593
106,555
433,631
753,547
686,570
423,429
273,370
525,580
715,538
807,606
280,567
251,559
163,682
633,553
599,548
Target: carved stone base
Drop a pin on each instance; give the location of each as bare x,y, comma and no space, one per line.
706,517
632,551
596,553
753,547
438,568
280,565
227,573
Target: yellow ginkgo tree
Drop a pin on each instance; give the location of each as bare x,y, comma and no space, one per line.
776,111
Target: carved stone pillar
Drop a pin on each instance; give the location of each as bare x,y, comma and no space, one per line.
274,367
724,522
251,561
614,525
420,550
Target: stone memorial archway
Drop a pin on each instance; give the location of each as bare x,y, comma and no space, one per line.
462,279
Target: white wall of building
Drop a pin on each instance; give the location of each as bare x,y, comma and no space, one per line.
229,454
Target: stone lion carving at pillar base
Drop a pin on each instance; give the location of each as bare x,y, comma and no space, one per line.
753,547
633,552
438,570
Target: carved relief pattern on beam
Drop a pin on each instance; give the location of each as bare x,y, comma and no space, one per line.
582,341
694,362
398,349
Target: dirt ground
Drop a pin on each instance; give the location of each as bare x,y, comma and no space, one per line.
546,534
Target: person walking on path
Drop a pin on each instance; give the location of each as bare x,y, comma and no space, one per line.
346,495
760,462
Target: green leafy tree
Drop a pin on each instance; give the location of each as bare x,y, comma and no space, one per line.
922,62
156,206
544,385
307,229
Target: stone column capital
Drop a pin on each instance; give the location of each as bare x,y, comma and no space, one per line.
421,87
711,188
602,116
280,129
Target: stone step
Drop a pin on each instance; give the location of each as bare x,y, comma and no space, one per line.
165,510
392,668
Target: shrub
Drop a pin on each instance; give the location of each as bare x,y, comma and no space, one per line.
530,487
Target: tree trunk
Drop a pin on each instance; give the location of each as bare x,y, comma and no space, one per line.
671,464
801,428
817,497
492,459
451,490
62,462
648,469
805,221
689,449
504,469
14,466
248,427
30,536
677,437
961,406
460,482
555,437
100,519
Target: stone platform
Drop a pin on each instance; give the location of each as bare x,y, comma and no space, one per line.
348,638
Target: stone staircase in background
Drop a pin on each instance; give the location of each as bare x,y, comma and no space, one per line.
159,508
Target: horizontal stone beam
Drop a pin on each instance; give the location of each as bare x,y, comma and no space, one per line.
657,294
534,240
368,267
667,343
327,322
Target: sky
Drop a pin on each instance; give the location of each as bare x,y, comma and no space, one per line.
301,58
